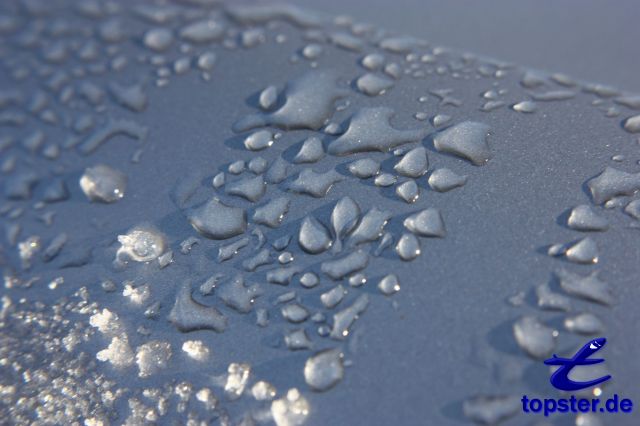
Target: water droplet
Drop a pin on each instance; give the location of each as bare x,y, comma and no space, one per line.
152,357
309,102
132,97
364,168
373,85
443,180
414,163
310,152
525,106
632,124
295,313
314,184
370,130
236,295
385,179
268,98
549,300
588,287
408,191
313,237
277,172
272,213
104,184
339,268
189,315
331,298
237,379
633,209
491,410
389,285
535,338
584,251
251,189
466,140
259,140
426,223
370,227
218,221
553,95
158,39
324,370
344,319
611,183
585,323
408,247
584,218
263,391
297,340
291,410
196,350
344,218
373,61
203,31
141,244
440,120
309,280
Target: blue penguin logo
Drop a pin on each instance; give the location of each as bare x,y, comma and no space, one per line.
560,379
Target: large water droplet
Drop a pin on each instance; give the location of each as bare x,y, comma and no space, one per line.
313,237
104,184
218,221
467,140
324,370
